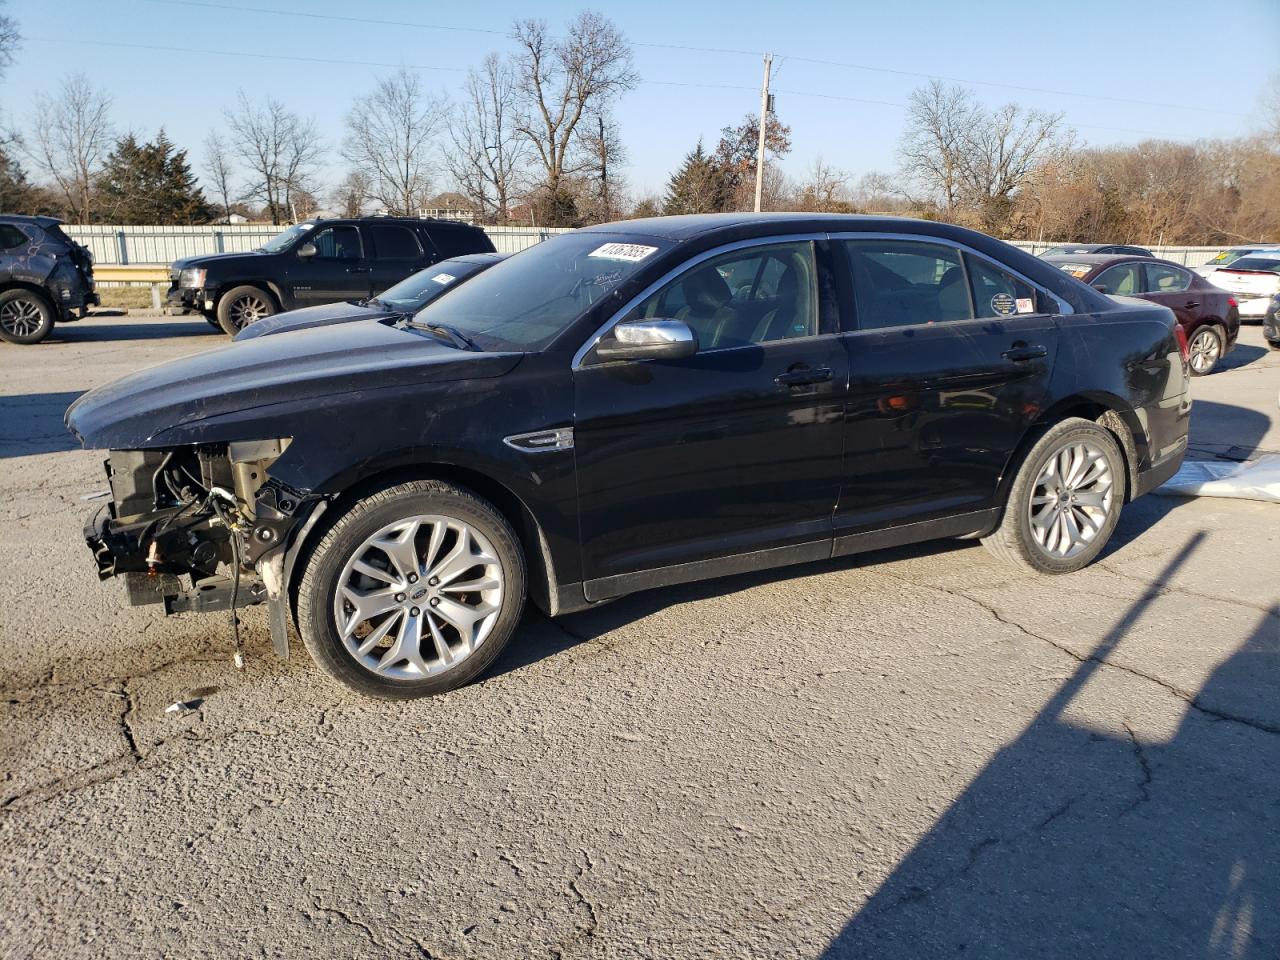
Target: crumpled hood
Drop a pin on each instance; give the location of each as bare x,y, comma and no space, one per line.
138,410
307,317
215,259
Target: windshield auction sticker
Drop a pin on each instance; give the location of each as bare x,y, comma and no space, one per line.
630,252
443,278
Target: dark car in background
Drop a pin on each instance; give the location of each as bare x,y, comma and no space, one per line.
627,407
313,263
1271,323
1207,314
405,298
1065,249
45,278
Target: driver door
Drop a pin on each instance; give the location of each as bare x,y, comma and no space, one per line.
726,460
339,270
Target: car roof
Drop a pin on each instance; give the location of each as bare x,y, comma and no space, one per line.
23,218
474,258
431,222
1106,259
690,226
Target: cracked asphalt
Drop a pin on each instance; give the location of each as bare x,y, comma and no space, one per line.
909,754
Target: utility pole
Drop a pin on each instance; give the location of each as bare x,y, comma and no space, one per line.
764,120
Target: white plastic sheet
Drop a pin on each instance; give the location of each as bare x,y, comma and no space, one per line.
1251,480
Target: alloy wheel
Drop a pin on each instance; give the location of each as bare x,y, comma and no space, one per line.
1204,350
21,317
418,597
248,309
1072,498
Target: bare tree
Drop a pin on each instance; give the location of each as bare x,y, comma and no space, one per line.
10,40
561,81
932,149
389,138
824,190
351,195
489,156
71,136
218,168
280,150
603,185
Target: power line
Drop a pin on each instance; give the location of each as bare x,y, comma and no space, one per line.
210,4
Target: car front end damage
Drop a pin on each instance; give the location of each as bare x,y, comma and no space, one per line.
200,528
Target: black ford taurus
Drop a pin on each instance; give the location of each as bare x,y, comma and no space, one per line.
627,407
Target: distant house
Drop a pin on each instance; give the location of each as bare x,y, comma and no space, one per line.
450,206
237,218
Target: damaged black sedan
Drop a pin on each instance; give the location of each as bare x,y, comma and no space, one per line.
628,407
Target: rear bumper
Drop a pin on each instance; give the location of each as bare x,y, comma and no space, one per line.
1159,472
1254,308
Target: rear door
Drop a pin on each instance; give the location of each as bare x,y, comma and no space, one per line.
397,252
1169,286
950,358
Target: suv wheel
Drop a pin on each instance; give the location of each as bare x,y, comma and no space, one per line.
413,591
1205,350
241,306
25,317
1065,500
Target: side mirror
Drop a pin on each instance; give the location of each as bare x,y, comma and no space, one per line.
648,340
1101,288
307,250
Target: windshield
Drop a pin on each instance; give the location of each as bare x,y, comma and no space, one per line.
1228,256
524,302
283,240
424,286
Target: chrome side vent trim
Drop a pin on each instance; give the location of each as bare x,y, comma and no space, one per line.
561,438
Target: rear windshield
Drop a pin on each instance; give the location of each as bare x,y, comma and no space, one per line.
1257,263
1228,256
1066,250
425,285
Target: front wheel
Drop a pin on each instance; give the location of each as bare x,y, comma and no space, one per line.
1205,350
242,306
1065,500
25,317
413,591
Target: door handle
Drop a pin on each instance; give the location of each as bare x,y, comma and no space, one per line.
1024,353
1191,304
802,376
358,270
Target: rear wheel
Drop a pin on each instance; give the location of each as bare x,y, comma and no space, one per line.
412,592
1065,500
1205,350
242,306
25,317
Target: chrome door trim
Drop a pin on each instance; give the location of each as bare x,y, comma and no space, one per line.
676,271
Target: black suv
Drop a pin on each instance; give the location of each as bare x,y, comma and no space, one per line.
315,262
45,277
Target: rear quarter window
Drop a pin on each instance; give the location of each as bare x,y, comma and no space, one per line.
11,238
455,242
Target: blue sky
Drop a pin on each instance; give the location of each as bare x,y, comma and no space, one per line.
1198,66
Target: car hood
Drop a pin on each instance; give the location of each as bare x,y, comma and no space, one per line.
321,316
159,406
216,259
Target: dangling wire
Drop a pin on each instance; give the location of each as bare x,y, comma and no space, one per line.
238,656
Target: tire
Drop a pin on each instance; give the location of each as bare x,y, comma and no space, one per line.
241,306
212,320
25,317
1049,547
402,611
1205,349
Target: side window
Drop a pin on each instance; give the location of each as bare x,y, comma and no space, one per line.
11,237
1162,279
754,295
455,241
899,283
996,292
1121,280
337,243
394,243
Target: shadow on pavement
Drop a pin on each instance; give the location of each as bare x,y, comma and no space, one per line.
1225,430
1074,842
87,331
31,423
1243,355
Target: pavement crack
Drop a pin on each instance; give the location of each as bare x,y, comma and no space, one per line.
350,921
1186,696
1144,788
585,931
1054,815
126,721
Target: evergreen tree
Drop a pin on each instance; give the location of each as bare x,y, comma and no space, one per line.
151,183
697,187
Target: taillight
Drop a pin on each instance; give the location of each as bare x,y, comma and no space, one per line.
1231,302
1183,347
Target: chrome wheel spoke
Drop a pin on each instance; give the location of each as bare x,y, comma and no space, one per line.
1071,500
369,570
402,550
460,559
377,635
462,617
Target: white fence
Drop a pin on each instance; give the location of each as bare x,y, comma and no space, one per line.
163,245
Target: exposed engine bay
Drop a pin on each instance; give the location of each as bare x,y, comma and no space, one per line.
194,528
